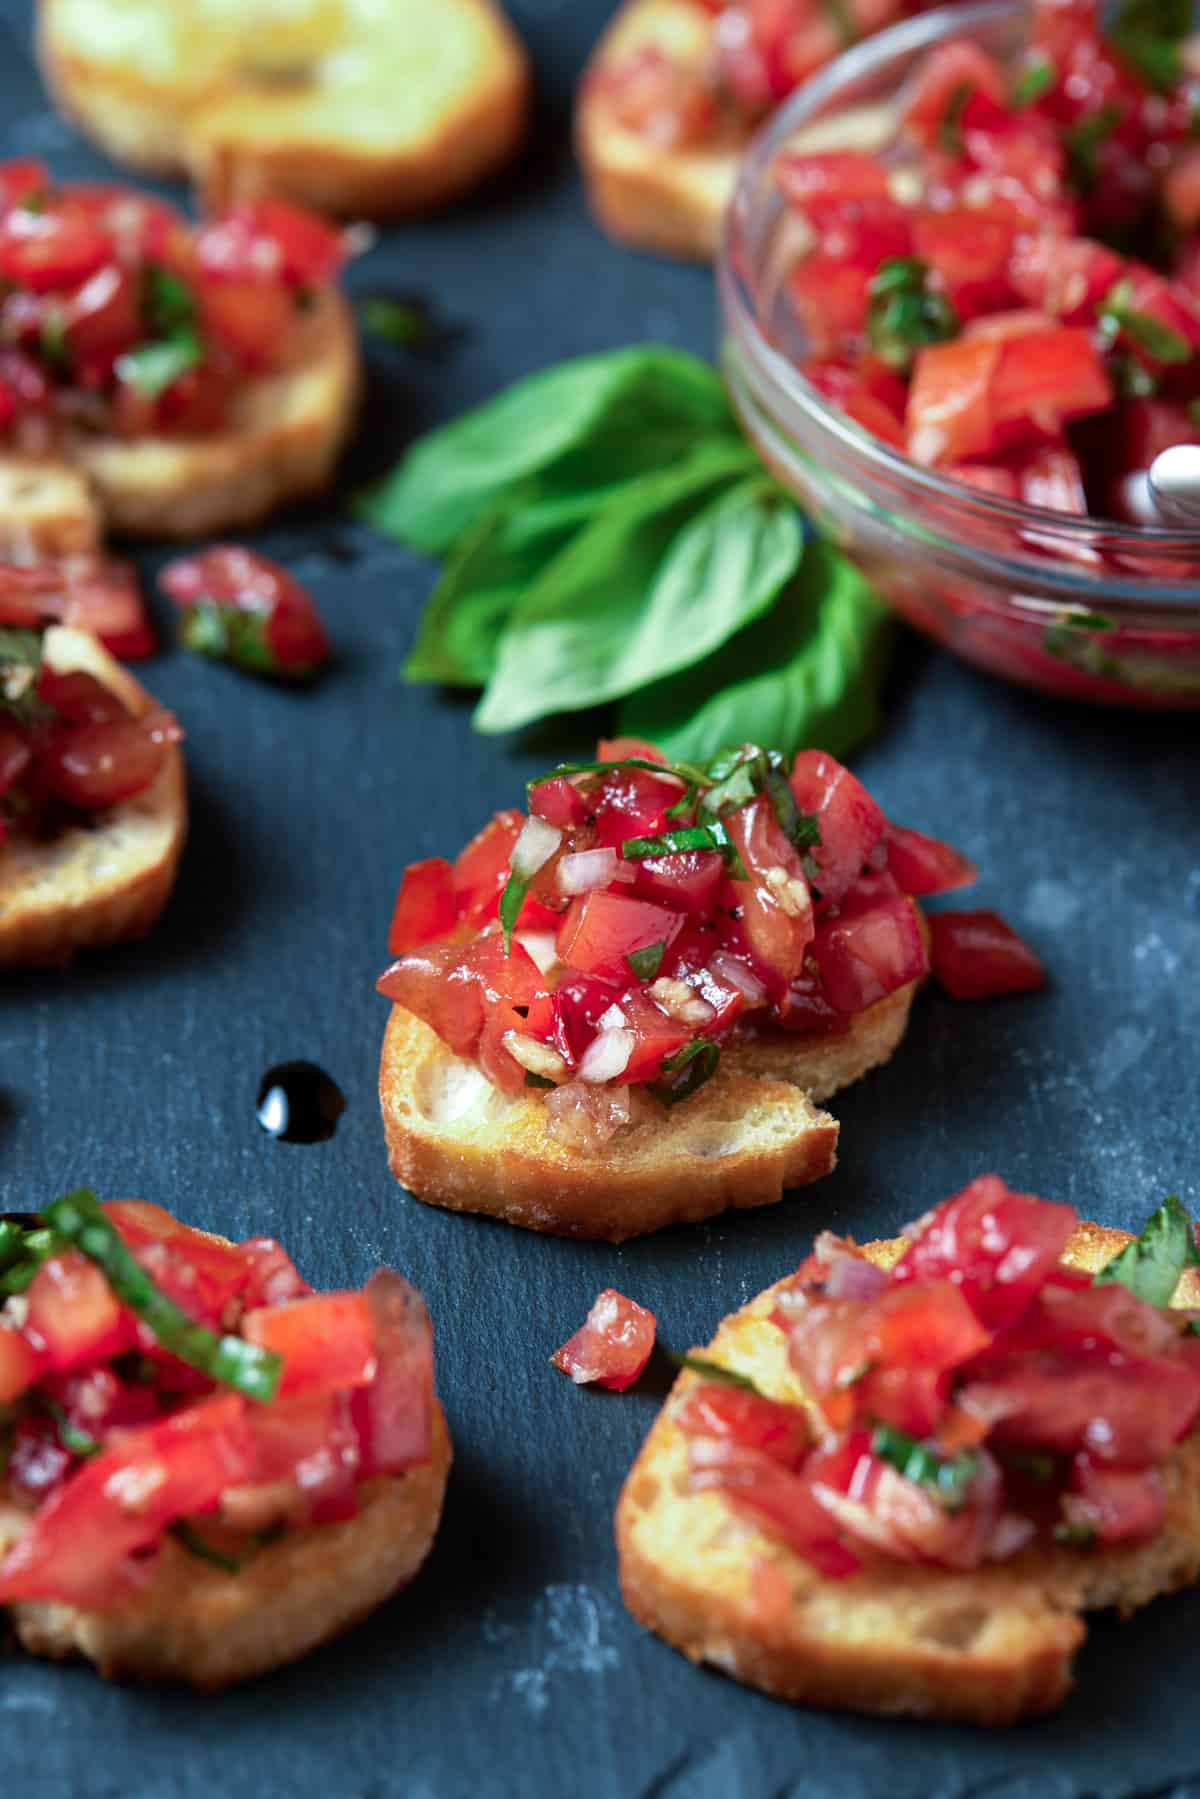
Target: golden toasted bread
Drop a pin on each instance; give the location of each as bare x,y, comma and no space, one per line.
47,508
196,1623
985,1647
357,107
752,1132
647,194
104,883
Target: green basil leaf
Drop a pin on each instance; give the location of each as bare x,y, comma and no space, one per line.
1149,33
658,581
582,424
1036,79
946,1477
950,138
407,322
168,304
687,1070
644,964
808,672
839,16
682,771
20,664
905,313
191,1539
692,837
1075,1536
151,368
1151,1265
1118,317
714,1371
511,901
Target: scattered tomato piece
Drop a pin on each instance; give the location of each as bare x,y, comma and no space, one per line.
975,955
612,1347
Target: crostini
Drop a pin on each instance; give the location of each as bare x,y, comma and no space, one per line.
674,92
161,379
361,108
210,1469
93,799
894,1481
621,1010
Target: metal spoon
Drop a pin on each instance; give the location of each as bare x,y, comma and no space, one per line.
1174,479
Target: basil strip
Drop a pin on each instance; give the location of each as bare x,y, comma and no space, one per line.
1075,1536
683,771
1152,1264
1119,317
168,303
904,313
152,368
79,1219
1033,82
12,1244
644,964
20,665
1149,33
950,137
511,901
37,1245
947,1477
692,837
190,1539
77,1442
715,1371
694,1064
741,775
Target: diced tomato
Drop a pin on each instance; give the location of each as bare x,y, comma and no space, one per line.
712,1409
558,802
326,1341
656,1035
22,178
19,1364
250,317
271,1275
776,904
74,1317
1119,1505
867,391
600,931
1065,278
425,906
103,596
50,251
968,251
830,298
75,1547
923,864
996,1245
849,820
307,1462
611,1348
877,1506
1123,1412
975,955
1181,189
779,1501
481,870
831,176
633,803
620,749
687,879
271,239
868,951
394,1414
948,76
666,98
577,1002
1052,477
291,639
99,765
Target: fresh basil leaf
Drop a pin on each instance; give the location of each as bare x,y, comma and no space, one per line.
691,837
406,321
1075,1536
1119,317
714,1371
12,1243
657,582
946,1477
1036,79
682,771
20,664
687,1070
1084,139
1149,34
808,672
74,1441
950,138
644,964
168,304
190,1539
904,313
511,901
152,368
1151,1265
583,424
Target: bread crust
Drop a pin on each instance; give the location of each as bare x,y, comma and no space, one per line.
242,140
197,1624
667,200
750,1134
986,1647
108,884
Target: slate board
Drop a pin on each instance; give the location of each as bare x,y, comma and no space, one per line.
510,1668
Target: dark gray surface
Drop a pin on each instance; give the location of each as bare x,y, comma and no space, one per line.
511,1668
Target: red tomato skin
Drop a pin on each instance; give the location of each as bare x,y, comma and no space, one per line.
326,1342
947,70
558,802
1120,1505
866,952
95,766
481,869
425,906
394,1414
975,955
834,176
996,1245
599,931
849,820
923,865
712,1409
73,1316
613,1345
968,252
242,580
19,1364
775,902
632,803
687,879
778,1500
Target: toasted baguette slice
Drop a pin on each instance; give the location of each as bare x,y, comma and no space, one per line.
985,1648
660,199
363,107
47,508
199,1624
743,1139
104,884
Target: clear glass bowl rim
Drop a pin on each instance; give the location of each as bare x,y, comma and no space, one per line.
780,374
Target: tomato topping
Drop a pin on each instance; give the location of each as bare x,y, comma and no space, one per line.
776,904
90,593
481,870
849,821
425,905
73,1315
97,766
923,864
612,1346
868,951
240,606
19,1364
601,931
975,955
394,1414
998,1246
711,1409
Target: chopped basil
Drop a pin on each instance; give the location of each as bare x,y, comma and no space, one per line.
1073,638
20,664
690,1067
168,304
1149,34
1075,1536
152,368
79,1219
1131,378
511,901
1035,80
904,313
75,1441
1084,139
740,775
37,1245
52,340
537,1080
1151,1265
714,1371
950,138
947,1477
839,16
685,804
1118,317
190,1539
407,322
692,837
644,964
683,771
236,635
12,1244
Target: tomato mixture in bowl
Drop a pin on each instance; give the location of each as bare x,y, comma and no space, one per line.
118,316
961,284
155,1381
983,1397
642,915
69,747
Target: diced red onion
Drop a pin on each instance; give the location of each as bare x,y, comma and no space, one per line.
612,1019
534,847
540,946
606,1056
1010,1534
850,1276
586,870
732,973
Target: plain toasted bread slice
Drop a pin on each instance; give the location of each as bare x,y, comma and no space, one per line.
752,1132
657,198
47,508
196,1623
101,884
986,1647
358,107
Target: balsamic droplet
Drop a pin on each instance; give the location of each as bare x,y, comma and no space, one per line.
299,1103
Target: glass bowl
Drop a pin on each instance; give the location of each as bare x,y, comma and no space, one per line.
1083,607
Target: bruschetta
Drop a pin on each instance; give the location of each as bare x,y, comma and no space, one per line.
160,379
621,1009
360,108
895,1480
211,1469
93,799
